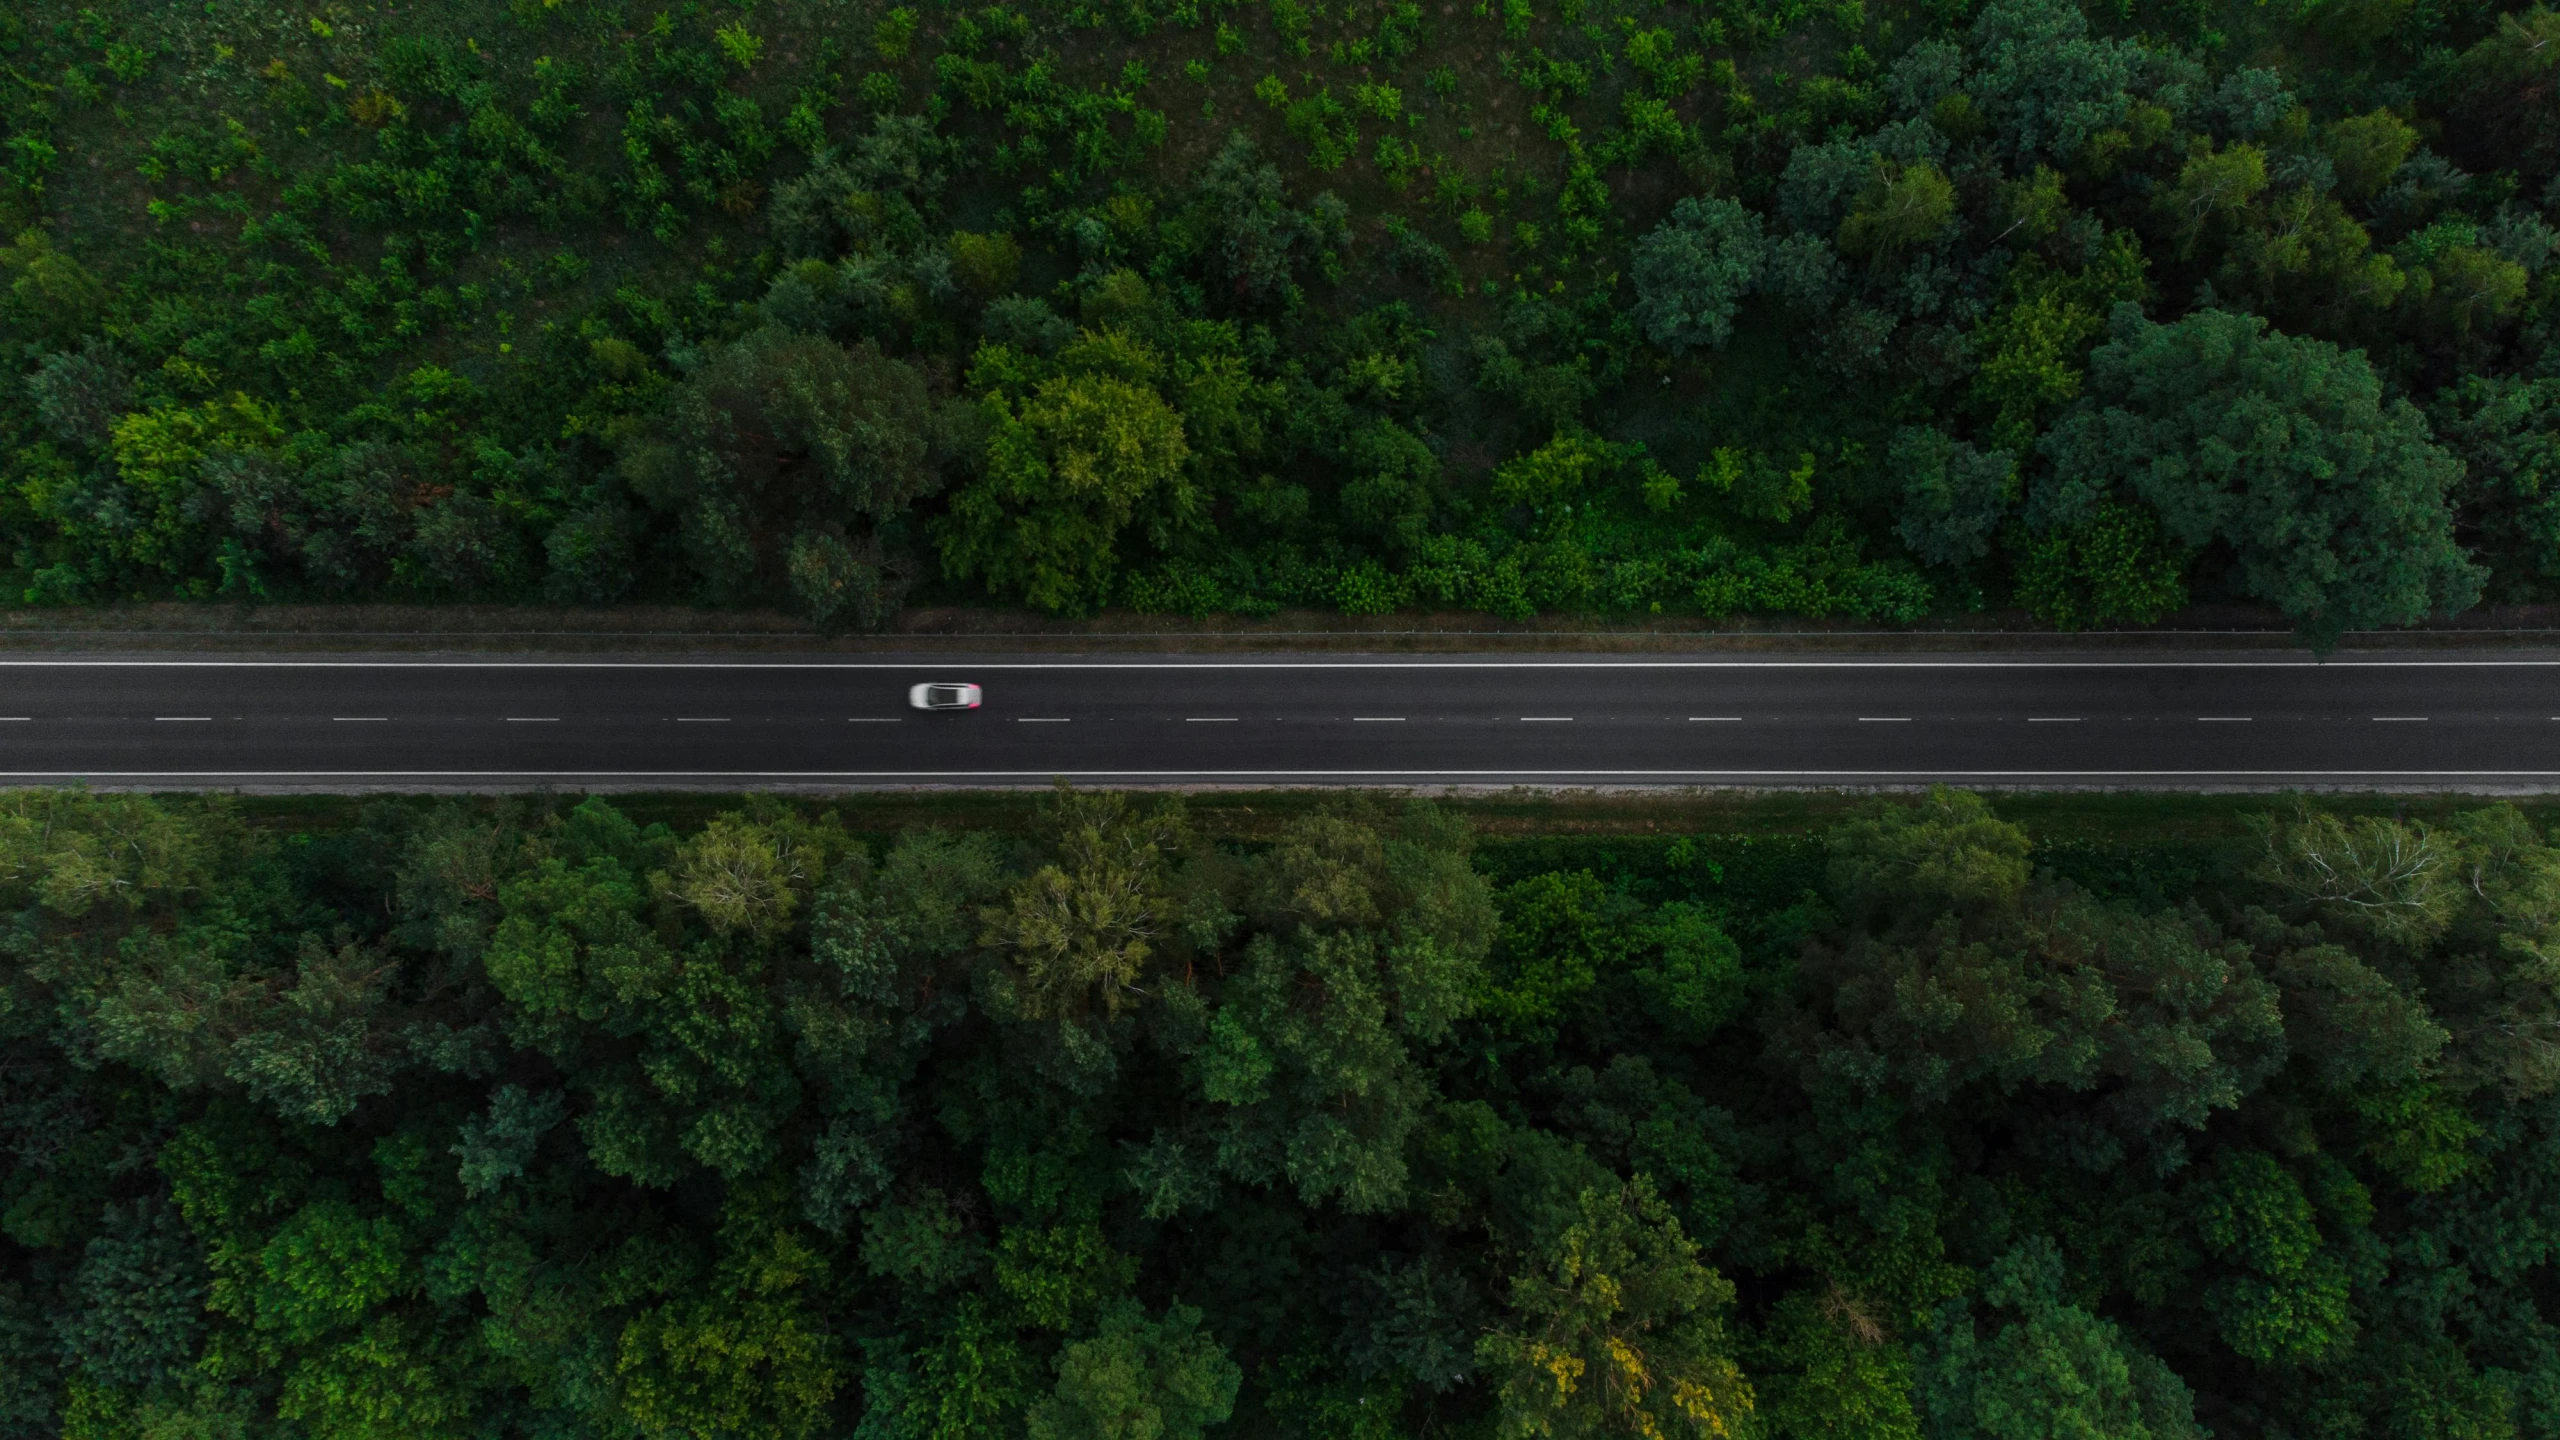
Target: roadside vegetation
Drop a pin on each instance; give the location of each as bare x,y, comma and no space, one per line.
1329,1119
1193,306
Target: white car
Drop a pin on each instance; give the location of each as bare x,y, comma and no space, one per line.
945,695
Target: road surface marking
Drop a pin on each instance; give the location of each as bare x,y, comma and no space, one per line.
2224,719
1377,719
1042,776
13,719
181,717
2399,719
361,719
1546,719
1715,719
1042,719
1208,719
2053,719
702,719
533,719
1884,719
873,719
2262,662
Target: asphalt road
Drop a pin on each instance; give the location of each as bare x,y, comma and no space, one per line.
2465,721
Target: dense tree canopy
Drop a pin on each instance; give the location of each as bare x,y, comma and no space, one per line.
1194,309
2280,452
464,1118
784,460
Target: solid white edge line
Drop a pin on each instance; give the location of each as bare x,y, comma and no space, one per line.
1258,774
2263,663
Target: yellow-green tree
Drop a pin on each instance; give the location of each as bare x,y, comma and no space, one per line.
1068,463
1614,1330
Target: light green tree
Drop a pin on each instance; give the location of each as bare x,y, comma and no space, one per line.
2366,151
1139,1379
745,1354
2111,565
1083,927
1903,206
1067,466
2213,185
2286,1296
2034,345
2466,289
1827,1370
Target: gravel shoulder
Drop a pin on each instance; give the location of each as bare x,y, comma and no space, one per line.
506,628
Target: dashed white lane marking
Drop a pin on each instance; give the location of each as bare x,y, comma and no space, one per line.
1715,719
2262,662
533,719
1884,719
1208,719
1377,719
14,719
361,719
2399,719
182,717
1046,775
873,719
1042,719
1546,719
2053,719
2224,719
702,719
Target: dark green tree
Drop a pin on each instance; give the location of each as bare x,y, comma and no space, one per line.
2047,1366
1693,271
2333,503
1139,1379
1953,496
782,461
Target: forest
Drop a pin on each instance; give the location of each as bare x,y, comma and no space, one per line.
464,1118
1711,308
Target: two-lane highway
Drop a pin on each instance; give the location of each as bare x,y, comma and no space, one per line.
396,722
